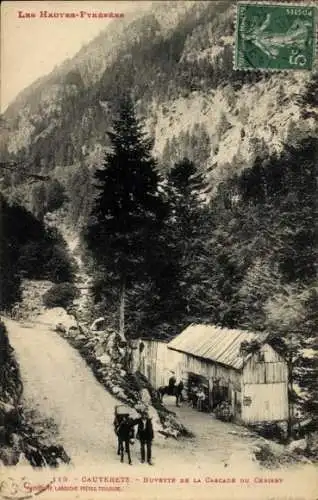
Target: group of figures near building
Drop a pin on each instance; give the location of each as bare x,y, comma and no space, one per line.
197,397
247,385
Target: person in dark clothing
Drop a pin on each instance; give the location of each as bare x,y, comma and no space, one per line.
145,435
171,385
124,429
179,390
116,424
194,395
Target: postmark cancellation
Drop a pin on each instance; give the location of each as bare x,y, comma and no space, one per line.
275,36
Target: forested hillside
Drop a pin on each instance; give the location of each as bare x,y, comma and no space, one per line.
177,62
28,250
231,162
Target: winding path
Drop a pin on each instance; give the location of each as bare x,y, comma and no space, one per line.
59,384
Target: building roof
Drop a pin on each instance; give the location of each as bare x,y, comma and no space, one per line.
213,343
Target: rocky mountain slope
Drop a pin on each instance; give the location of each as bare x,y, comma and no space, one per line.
176,59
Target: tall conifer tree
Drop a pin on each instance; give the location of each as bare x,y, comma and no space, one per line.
126,218
188,228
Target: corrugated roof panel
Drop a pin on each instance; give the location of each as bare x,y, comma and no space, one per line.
214,343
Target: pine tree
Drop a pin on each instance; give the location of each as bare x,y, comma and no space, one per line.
309,99
261,281
55,196
291,320
187,234
126,218
306,368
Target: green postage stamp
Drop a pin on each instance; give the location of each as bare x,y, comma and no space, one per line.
273,36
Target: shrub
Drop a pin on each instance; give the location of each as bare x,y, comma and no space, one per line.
55,196
4,344
59,266
60,295
29,250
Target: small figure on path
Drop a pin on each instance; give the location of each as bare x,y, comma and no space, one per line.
124,429
145,435
194,396
171,384
179,389
201,399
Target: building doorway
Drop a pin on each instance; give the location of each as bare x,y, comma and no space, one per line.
220,393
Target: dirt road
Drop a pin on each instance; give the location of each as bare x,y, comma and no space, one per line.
59,384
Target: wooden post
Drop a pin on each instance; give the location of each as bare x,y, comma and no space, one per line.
290,395
210,393
232,397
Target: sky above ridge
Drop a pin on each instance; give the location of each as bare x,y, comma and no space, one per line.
32,46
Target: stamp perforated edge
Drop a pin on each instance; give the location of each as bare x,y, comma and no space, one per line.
283,3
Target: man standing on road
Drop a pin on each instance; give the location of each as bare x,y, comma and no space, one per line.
145,435
201,399
179,390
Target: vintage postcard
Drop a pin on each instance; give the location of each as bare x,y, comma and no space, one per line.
158,286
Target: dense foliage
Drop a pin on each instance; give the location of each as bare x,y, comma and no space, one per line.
9,372
28,250
60,295
263,252
245,260
10,388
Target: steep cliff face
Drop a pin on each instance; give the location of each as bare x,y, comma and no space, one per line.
239,125
176,59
